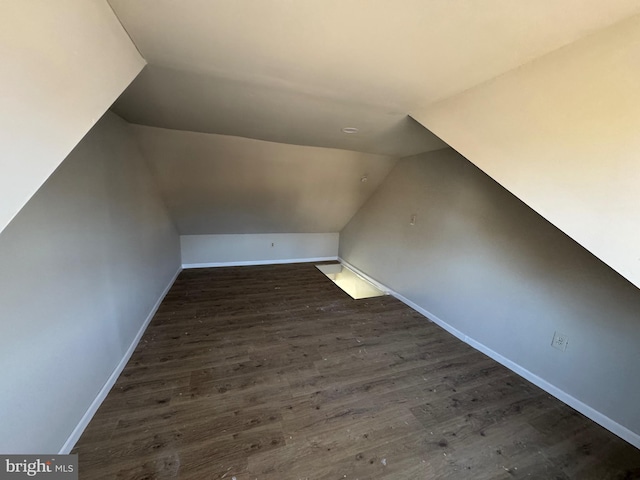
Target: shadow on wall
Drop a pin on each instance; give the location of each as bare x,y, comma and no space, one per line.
81,266
489,266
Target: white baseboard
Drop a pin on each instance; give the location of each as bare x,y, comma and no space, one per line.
258,262
104,391
366,277
589,412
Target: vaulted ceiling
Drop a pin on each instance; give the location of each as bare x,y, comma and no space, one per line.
532,92
299,71
502,81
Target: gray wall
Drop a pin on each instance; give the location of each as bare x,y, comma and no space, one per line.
81,267
487,265
214,250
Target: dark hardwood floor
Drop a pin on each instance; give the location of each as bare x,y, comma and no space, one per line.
272,372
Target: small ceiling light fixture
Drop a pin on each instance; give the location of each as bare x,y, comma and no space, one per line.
364,179
349,130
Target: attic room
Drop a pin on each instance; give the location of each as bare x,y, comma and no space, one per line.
173,172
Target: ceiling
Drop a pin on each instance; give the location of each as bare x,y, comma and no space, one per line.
175,99
219,184
297,72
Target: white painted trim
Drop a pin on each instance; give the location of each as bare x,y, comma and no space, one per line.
257,262
104,391
366,277
598,417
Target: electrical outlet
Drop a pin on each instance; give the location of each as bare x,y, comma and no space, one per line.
559,341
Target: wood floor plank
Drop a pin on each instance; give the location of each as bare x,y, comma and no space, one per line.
273,372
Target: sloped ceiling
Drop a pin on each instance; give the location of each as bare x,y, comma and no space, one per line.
223,184
63,65
298,71
562,133
175,99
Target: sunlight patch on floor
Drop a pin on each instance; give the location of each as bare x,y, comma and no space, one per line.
349,281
